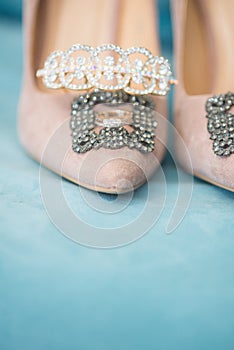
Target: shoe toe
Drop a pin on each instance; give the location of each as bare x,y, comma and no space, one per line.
119,175
116,171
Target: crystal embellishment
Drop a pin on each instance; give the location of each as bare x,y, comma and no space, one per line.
81,60
112,122
138,64
109,61
108,74
221,123
107,67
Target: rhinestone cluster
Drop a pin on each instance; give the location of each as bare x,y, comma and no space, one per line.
221,123
107,67
83,123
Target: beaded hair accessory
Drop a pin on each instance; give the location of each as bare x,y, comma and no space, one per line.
109,68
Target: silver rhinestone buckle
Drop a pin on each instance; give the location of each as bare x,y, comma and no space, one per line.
221,123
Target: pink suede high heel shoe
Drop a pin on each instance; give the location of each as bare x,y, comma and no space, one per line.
204,57
87,92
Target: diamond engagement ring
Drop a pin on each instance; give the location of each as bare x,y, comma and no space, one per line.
112,120
109,68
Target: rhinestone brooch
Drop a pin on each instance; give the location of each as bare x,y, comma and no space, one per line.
221,123
112,120
109,68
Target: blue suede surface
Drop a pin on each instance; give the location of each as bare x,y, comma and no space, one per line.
161,292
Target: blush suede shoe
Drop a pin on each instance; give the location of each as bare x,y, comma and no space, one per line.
204,57
44,124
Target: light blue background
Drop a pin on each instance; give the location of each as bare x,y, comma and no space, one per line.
161,292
